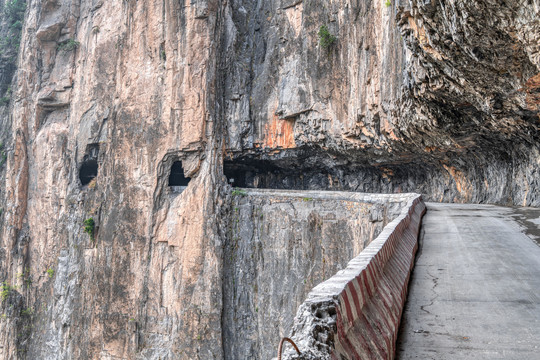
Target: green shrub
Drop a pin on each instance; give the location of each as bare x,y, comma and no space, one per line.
14,11
325,38
68,45
239,192
13,15
50,272
6,290
4,100
90,227
26,277
27,312
388,3
3,155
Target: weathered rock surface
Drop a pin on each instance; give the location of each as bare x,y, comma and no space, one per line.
355,314
281,244
424,96
133,86
417,96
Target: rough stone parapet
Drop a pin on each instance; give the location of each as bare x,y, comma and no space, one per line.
356,313
333,195
279,245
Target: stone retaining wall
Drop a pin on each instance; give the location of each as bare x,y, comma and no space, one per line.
356,313
280,245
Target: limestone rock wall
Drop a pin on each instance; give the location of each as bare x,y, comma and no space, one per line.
132,82
419,96
436,98
280,244
356,313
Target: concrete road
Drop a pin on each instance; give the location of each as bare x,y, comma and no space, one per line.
475,289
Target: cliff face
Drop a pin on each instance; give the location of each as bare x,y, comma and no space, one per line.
415,96
280,244
437,98
128,85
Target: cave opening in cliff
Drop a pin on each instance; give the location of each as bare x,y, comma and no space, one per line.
266,174
250,173
176,177
88,171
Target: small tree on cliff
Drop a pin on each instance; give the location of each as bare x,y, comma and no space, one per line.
326,39
90,227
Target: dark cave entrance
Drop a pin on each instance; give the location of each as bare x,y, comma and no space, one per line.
176,177
240,174
88,171
89,167
287,174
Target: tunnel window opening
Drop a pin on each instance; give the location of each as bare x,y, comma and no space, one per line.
88,171
264,174
89,167
176,177
252,174
235,177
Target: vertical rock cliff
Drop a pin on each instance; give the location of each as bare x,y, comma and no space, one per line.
427,96
121,90
107,97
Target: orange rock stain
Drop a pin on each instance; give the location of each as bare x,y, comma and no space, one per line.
279,133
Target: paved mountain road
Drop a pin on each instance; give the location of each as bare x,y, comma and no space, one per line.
475,289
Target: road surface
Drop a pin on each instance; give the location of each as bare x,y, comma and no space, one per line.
475,289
